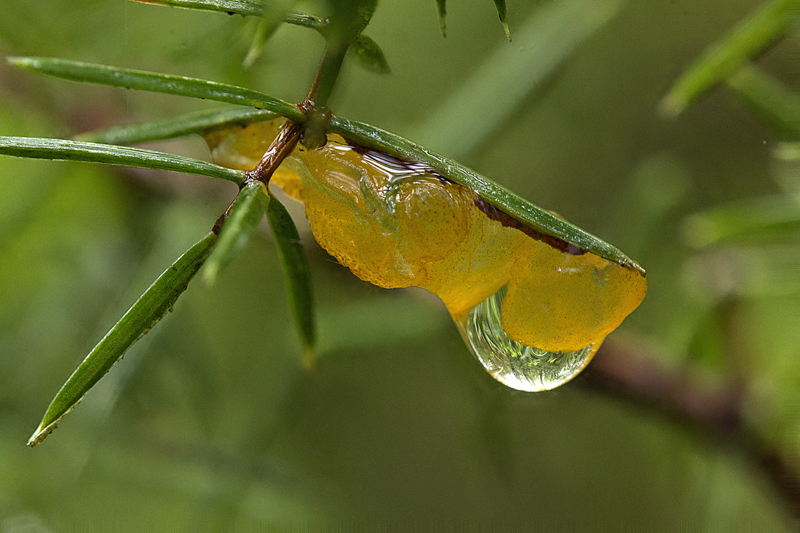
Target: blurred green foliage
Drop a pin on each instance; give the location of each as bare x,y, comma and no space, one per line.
212,423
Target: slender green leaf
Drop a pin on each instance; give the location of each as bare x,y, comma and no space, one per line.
140,318
776,103
749,221
506,80
199,123
263,32
64,150
441,7
369,55
240,7
161,83
522,210
298,274
242,219
748,39
274,13
501,12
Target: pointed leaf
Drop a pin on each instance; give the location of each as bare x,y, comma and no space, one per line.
369,55
747,40
240,7
522,210
775,102
298,275
263,32
162,83
441,6
243,217
64,150
274,13
501,12
199,123
140,318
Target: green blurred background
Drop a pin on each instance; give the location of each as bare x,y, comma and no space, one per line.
211,422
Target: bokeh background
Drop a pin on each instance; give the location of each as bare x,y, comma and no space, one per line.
211,422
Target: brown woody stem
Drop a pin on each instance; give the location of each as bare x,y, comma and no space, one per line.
281,147
715,411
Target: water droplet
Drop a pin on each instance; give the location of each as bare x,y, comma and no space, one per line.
512,363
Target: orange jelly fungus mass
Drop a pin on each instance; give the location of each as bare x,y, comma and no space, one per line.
399,224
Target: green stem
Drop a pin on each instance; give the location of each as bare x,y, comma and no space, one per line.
328,71
315,105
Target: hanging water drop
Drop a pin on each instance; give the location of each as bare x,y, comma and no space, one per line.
510,362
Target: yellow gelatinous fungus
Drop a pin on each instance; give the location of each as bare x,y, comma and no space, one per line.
398,224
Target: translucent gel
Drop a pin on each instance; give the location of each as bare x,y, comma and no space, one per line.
399,224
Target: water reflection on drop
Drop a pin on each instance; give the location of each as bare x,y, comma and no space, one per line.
512,363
